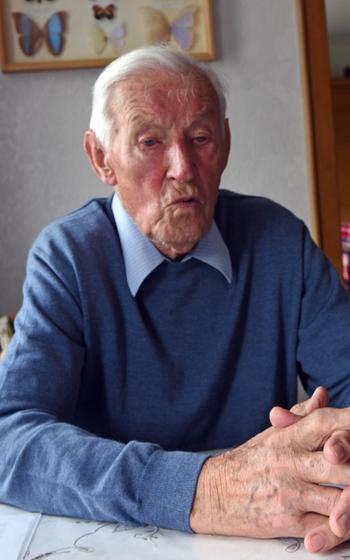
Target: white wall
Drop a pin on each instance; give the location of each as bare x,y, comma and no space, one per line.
43,116
338,17
338,23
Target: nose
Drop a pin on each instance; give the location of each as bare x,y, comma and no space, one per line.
180,163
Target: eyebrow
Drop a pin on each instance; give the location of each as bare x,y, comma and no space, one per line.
144,122
206,114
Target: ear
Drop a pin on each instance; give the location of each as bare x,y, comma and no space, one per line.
227,143
98,158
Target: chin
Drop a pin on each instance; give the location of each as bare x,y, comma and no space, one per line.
180,244
181,232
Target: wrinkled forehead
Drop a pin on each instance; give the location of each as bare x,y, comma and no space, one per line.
163,90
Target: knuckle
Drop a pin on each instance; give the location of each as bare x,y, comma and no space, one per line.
343,437
325,470
308,464
319,423
331,500
320,416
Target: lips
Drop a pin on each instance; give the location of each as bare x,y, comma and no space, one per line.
185,201
182,197
189,200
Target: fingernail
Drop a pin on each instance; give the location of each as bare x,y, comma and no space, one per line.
317,542
344,522
339,450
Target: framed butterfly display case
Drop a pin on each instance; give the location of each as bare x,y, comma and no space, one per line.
57,34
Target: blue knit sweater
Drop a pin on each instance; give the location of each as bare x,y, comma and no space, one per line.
105,398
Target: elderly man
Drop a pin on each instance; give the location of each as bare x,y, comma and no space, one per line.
169,320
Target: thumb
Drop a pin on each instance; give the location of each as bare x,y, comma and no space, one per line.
281,417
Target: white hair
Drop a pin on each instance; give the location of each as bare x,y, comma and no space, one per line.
152,58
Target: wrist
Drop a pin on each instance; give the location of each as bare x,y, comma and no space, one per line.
203,517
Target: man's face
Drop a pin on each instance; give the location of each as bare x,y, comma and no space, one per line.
168,149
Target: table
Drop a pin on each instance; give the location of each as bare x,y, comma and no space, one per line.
57,538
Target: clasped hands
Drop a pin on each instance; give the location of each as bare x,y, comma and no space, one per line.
275,484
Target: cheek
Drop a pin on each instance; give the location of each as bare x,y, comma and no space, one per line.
209,173
146,173
210,161
142,189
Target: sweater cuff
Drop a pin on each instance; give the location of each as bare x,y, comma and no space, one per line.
168,487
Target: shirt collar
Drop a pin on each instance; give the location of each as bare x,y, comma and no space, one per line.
141,257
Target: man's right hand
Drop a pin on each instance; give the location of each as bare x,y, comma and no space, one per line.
336,450
268,487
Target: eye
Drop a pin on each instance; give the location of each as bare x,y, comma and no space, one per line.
149,142
200,139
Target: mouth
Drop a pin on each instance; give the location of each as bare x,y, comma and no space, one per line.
186,202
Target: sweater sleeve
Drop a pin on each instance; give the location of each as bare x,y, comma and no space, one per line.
48,463
324,334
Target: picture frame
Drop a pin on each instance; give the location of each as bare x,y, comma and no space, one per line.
61,34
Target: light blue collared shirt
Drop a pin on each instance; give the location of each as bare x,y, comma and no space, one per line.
141,257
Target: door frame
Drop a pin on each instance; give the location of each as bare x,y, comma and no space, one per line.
313,40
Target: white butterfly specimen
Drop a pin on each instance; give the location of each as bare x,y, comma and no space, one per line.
99,37
160,30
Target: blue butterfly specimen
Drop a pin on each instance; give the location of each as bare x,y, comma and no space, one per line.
31,37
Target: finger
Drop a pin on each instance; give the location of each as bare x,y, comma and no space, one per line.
319,529
313,467
281,417
332,532
339,520
337,447
322,538
319,399
322,500
313,430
